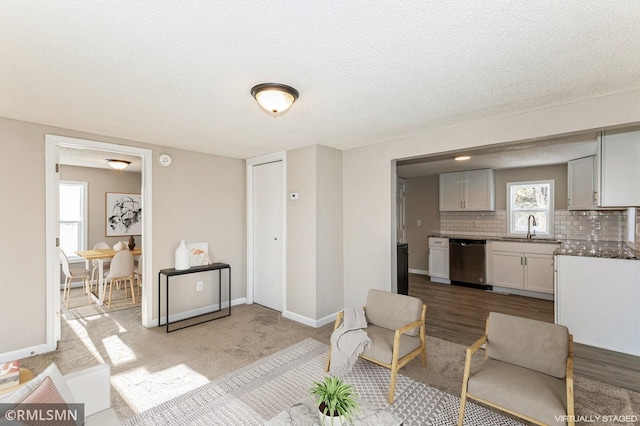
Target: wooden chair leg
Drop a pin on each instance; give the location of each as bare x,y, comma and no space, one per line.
463,403
392,385
67,291
133,293
87,286
110,290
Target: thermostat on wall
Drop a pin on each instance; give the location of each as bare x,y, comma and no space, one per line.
164,160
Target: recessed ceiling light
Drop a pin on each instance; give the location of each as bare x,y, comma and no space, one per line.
462,158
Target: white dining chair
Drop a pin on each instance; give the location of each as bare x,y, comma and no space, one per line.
121,271
137,272
77,272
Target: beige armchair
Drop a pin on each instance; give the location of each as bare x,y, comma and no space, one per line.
396,327
528,370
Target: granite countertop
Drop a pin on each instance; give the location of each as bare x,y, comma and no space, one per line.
603,249
607,249
497,238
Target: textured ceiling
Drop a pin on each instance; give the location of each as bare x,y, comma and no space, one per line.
178,73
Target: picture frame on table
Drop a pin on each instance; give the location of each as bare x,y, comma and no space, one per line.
198,254
123,214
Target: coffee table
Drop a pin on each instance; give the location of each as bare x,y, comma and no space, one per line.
306,413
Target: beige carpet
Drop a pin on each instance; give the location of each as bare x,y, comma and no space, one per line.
150,367
79,306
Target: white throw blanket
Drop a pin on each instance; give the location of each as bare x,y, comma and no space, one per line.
348,341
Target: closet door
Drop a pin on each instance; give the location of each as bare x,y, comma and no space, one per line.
268,202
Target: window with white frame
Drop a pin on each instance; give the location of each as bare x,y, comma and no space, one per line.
73,217
530,208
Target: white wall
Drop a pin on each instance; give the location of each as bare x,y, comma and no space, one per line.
369,176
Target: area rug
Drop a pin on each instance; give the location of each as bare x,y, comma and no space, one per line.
256,393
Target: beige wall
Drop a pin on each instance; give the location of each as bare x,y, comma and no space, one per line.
301,232
422,203
557,172
199,198
101,181
329,289
314,232
369,175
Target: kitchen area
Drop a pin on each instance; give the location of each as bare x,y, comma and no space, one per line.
552,220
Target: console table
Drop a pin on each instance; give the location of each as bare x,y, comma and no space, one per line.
172,272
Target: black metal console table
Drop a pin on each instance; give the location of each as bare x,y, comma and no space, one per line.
173,272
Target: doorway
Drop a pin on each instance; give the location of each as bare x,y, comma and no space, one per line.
266,240
53,144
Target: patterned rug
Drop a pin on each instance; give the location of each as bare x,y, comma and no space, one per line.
259,391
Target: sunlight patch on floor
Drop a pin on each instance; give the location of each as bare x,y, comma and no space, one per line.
84,337
119,353
142,389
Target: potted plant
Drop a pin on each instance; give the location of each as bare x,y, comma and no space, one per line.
336,400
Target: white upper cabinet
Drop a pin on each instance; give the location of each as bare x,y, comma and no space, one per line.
469,190
618,171
581,183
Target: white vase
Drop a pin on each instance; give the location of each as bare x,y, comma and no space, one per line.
182,257
119,246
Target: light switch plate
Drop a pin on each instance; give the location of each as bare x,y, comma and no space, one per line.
294,196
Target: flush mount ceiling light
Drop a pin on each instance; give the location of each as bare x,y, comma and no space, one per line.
462,158
118,164
274,97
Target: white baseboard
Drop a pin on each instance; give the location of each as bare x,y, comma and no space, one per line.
23,353
517,292
440,280
418,271
199,311
308,321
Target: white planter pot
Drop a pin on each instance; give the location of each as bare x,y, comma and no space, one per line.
331,421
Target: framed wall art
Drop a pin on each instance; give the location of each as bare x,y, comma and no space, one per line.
123,214
198,254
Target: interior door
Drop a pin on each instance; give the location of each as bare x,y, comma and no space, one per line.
268,203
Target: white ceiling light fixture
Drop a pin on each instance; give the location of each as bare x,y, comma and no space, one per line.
462,158
118,164
274,98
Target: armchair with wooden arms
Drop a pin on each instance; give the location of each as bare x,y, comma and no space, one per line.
528,370
396,325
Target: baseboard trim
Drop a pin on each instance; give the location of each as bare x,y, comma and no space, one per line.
308,321
179,316
23,353
517,292
418,271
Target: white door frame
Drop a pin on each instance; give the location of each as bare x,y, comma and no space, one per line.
256,161
52,144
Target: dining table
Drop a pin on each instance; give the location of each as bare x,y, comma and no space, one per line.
100,255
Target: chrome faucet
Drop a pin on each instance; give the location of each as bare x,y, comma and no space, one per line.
529,223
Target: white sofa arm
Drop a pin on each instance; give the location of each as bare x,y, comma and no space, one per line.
92,387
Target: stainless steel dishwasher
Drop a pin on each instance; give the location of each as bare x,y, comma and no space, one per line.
467,261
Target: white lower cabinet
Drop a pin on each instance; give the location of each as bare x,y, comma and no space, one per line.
522,266
439,260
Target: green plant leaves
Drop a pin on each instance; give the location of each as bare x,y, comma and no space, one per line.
335,397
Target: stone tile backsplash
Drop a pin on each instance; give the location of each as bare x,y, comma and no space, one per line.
595,226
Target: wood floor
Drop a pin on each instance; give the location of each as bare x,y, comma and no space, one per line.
458,314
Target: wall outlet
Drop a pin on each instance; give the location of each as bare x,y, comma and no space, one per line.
419,222
199,286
